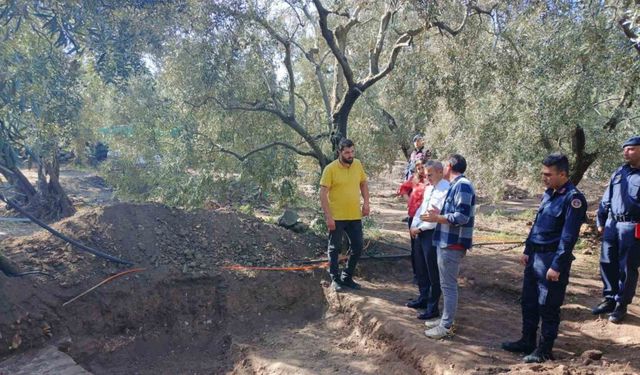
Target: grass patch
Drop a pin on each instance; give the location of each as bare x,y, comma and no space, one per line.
526,215
497,237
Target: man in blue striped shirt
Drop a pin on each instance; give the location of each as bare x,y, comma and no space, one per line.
452,237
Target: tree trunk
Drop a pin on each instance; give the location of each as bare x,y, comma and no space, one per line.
583,159
9,169
341,117
55,203
48,201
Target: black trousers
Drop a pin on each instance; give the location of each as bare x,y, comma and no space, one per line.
413,253
353,229
427,274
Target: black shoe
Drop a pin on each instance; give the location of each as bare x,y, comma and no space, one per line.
428,315
417,304
618,314
335,286
538,356
606,306
349,283
405,219
520,346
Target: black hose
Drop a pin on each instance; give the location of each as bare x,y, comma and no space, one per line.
7,268
95,252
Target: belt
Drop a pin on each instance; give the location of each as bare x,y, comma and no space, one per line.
626,218
543,248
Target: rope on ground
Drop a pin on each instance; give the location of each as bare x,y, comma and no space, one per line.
306,265
73,242
110,278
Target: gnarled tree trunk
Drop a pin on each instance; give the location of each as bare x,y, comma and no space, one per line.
49,200
583,159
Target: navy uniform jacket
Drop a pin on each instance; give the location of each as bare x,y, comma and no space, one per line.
557,223
622,196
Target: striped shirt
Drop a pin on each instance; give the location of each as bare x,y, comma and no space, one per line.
459,209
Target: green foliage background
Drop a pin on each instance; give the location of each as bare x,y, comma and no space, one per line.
155,79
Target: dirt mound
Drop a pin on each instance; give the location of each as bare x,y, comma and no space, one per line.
158,236
182,254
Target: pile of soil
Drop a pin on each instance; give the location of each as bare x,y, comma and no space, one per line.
156,236
182,297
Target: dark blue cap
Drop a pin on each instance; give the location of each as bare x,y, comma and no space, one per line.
633,141
417,136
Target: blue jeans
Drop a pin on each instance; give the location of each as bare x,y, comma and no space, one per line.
449,266
426,266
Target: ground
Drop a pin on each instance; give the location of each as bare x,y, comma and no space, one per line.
191,310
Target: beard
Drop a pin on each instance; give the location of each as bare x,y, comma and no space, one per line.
346,161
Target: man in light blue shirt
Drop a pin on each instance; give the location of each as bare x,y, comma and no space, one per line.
425,260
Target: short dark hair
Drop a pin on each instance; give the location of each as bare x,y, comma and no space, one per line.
558,160
457,163
344,143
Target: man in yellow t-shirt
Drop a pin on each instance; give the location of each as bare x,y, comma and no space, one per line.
342,183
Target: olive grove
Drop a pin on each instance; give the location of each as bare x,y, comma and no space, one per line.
221,98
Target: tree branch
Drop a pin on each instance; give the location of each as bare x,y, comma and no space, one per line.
246,156
631,35
310,56
471,10
403,41
292,82
262,148
453,32
287,119
618,113
374,55
328,36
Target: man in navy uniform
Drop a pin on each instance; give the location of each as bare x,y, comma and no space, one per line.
619,220
547,259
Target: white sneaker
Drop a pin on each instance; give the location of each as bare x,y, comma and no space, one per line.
432,322
439,332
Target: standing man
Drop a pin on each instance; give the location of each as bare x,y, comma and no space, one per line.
452,237
619,220
547,259
342,183
426,258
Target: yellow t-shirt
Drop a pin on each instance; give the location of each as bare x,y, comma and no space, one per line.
344,189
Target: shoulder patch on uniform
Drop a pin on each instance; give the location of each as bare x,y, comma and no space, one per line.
576,203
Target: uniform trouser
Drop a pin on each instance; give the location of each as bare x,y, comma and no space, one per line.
353,229
619,261
449,267
541,298
428,277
